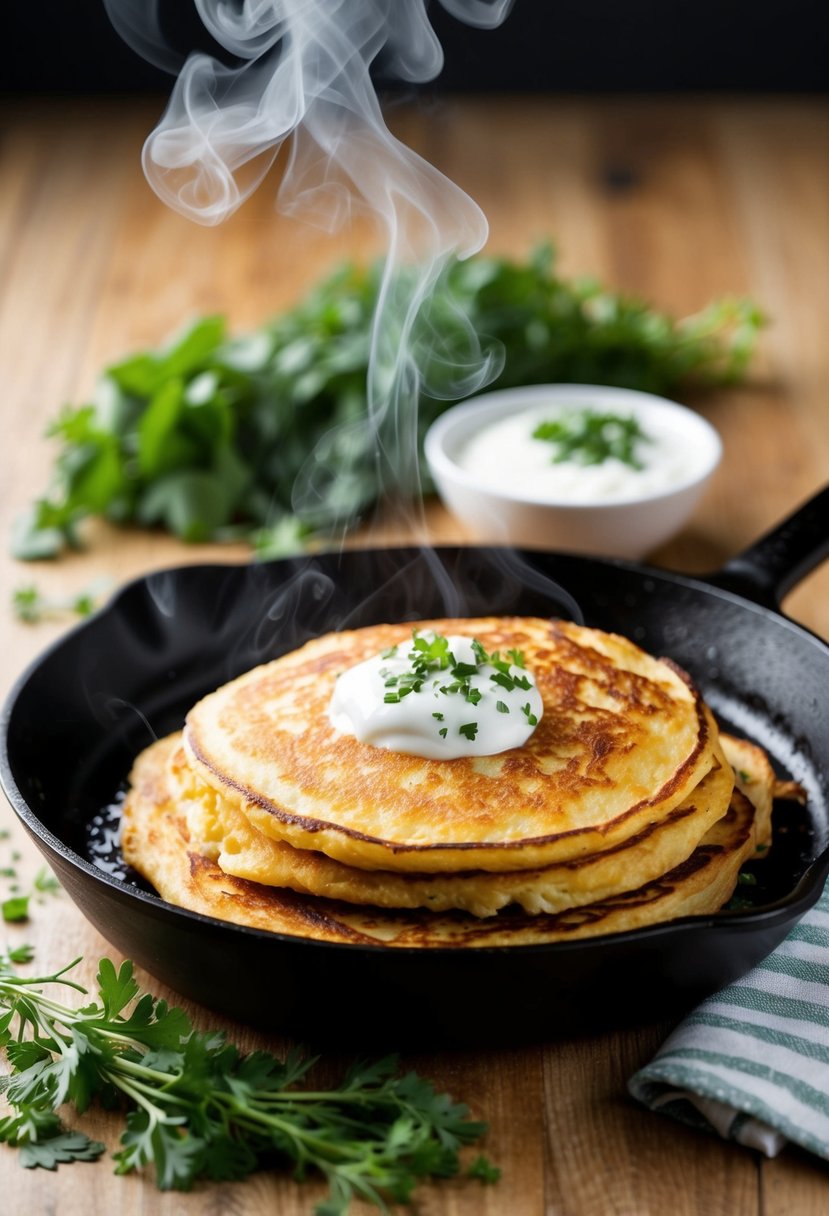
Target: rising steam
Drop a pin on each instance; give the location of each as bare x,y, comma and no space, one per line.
301,74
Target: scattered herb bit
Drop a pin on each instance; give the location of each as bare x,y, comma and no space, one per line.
198,1108
439,717
443,732
483,1169
747,879
744,776
46,883
502,707
762,848
19,954
213,437
15,909
532,718
4,833
738,904
31,606
590,437
469,730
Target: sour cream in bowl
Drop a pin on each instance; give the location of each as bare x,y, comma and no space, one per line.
579,467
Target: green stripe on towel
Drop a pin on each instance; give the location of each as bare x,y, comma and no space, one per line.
752,1062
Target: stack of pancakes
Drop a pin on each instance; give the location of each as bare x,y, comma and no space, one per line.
626,806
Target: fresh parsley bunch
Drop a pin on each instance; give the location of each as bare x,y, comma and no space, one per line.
197,1108
210,436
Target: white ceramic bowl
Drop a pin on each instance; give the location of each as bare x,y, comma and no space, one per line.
629,526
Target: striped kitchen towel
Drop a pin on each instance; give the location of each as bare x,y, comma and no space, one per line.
752,1062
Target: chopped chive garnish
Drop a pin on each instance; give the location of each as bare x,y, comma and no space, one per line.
431,653
588,437
530,716
443,732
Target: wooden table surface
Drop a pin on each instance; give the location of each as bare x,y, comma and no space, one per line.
720,196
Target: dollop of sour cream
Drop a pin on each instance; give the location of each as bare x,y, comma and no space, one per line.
474,705
506,454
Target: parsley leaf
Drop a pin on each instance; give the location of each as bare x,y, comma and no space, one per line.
67,1146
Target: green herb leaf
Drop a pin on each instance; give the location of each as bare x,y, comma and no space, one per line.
67,1146
20,954
31,606
483,1169
15,909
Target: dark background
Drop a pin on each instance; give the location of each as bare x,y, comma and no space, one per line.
571,46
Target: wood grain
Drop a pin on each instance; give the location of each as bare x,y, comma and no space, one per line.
676,200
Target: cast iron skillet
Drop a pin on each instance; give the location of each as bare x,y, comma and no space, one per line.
77,718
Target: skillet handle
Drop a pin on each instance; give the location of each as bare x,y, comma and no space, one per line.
779,560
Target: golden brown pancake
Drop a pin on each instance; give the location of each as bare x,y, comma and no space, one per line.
623,741
757,779
219,830
155,841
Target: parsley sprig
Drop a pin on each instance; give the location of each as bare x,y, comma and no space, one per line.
197,1108
589,436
